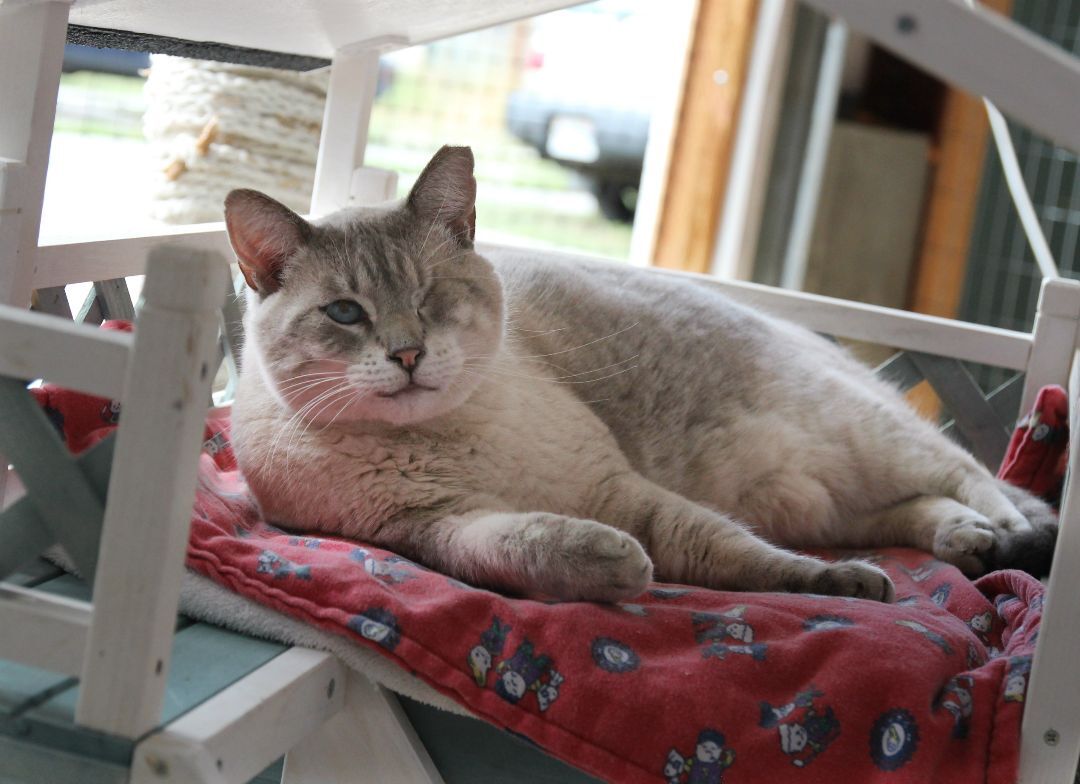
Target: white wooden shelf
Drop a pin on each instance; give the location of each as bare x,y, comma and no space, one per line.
316,28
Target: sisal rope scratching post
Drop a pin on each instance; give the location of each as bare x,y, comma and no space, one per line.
215,127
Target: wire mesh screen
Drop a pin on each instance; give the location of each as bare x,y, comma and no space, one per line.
558,124
1003,280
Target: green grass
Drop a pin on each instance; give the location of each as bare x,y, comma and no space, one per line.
96,104
106,84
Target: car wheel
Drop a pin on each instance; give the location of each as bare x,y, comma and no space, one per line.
616,200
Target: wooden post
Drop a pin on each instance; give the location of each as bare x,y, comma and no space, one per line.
959,156
704,136
246,726
369,741
1055,332
735,243
353,79
151,490
1029,78
32,39
1050,735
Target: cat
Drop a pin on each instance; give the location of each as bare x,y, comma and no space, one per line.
575,428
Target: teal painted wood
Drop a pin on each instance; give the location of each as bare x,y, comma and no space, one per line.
272,775
15,551
22,536
56,486
67,585
205,660
22,687
33,573
25,763
467,751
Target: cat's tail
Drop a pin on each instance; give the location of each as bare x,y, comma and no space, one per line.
1031,549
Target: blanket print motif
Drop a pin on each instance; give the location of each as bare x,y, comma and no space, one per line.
682,685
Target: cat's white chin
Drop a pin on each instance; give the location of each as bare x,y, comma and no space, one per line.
410,405
407,405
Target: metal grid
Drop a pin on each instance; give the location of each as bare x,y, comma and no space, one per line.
1002,283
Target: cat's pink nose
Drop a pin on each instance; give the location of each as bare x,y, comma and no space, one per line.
407,357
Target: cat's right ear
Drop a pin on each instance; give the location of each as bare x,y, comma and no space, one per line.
264,235
445,192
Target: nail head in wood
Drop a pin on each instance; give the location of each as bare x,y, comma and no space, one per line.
159,766
1051,737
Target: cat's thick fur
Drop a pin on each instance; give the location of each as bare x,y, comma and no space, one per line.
575,428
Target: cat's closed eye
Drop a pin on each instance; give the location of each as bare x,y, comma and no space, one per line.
344,311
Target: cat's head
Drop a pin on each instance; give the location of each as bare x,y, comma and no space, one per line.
377,314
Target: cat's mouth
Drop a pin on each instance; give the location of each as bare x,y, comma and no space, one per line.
409,390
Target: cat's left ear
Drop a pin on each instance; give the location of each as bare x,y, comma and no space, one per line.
445,193
265,234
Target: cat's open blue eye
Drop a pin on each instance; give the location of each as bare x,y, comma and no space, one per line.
344,311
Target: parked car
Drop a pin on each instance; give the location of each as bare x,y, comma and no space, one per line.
587,93
117,61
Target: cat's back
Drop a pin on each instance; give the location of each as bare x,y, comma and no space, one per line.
691,383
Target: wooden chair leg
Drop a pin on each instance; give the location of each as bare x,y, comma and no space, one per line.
369,741
31,53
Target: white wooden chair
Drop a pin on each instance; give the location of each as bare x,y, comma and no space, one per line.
335,725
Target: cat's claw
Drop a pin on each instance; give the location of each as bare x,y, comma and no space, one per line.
856,579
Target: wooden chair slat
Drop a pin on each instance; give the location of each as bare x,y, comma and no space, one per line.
52,300
1005,400
900,371
975,417
34,573
108,299
71,510
452,741
22,685
205,660
28,763
95,463
114,299
24,536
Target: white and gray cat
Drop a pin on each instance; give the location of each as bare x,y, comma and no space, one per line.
576,428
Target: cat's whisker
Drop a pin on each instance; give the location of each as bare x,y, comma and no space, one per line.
308,378
452,238
459,277
480,372
298,418
308,375
293,392
495,366
583,345
347,390
536,332
289,424
594,370
346,401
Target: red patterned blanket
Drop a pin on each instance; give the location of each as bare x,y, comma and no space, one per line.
682,684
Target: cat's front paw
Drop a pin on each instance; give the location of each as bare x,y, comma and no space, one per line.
966,541
854,578
606,564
